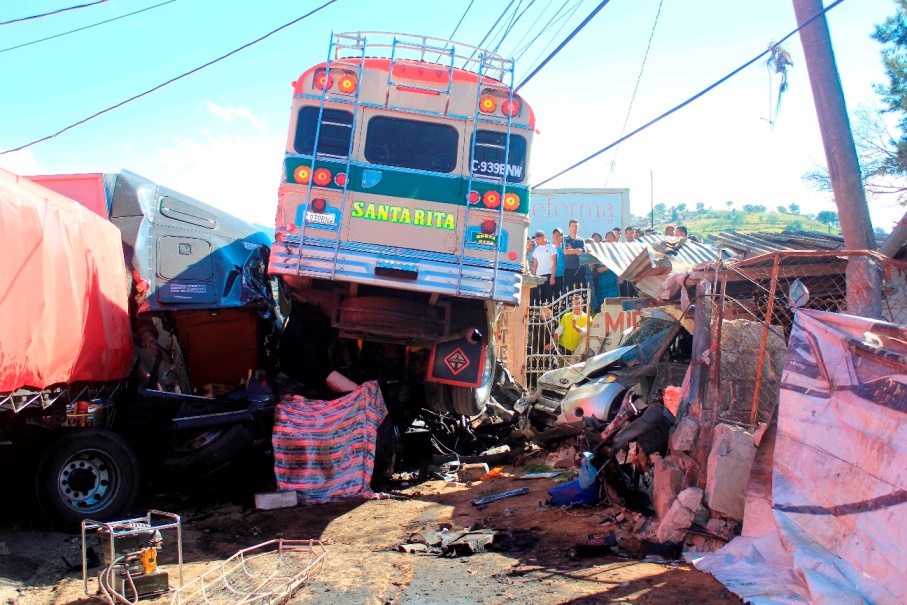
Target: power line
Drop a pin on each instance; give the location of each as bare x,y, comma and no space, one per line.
453,33
56,12
479,45
635,89
513,23
563,44
529,29
72,31
171,80
565,17
693,98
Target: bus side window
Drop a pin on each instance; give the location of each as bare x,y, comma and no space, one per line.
335,135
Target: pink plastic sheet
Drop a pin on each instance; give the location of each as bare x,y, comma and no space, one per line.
836,528
63,291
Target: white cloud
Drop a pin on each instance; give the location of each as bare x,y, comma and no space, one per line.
236,173
228,115
20,162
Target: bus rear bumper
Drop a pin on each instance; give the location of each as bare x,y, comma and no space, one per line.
394,271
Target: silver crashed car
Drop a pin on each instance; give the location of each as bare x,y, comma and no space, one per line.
654,355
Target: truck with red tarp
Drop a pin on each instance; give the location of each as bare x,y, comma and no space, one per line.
119,300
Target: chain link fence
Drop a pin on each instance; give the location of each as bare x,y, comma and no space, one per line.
760,297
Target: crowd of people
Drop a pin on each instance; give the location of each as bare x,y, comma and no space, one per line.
557,262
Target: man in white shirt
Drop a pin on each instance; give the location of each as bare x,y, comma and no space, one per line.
544,264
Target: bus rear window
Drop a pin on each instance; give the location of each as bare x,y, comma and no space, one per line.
411,144
489,155
334,138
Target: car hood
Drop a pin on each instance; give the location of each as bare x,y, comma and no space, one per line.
562,378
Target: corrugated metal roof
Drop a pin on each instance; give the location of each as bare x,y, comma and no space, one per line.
682,253
755,244
649,260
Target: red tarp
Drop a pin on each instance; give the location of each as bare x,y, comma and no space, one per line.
63,291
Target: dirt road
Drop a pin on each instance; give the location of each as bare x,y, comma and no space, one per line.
363,564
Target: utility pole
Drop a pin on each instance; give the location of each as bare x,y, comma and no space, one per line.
652,198
863,279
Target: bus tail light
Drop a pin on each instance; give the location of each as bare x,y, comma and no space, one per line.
487,104
511,201
510,108
323,81
489,226
491,199
474,197
302,175
319,205
347,85
322,177
340,179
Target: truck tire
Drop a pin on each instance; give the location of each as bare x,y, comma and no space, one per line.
214,449
87,474
467,401
388,449
471,401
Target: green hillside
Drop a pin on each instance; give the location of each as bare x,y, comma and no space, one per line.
716,221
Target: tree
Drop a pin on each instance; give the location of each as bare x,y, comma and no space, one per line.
782,209
700,207
660,209
828,218
794,209
748,208
882,154
758,208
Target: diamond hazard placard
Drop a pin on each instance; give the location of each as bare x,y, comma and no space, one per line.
457,362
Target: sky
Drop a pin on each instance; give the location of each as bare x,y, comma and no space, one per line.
219,135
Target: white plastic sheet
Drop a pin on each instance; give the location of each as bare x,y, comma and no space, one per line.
836,531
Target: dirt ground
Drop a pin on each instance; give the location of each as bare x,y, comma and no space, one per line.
363,565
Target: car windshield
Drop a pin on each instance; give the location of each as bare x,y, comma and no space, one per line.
650,336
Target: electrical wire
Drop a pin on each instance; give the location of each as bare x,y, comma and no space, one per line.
529,29
56,12
513,23
566,17
519,51
72,31
691,99
170,81
563,44
642,68
493,27
460,22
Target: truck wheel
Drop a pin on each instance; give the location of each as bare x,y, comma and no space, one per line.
203,452
388,449
87,474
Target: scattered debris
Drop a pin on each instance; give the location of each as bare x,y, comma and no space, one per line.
541,475
500,496
680,516
472,472
275,500
270,572
729,464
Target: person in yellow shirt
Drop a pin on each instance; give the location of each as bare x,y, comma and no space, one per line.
572,327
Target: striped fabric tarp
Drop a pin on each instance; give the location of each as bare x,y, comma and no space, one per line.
325,450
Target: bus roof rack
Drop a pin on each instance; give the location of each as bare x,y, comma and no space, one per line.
422,49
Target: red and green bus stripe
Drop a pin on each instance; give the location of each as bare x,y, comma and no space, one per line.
409,185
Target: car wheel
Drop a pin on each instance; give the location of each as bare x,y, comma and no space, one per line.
87,473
